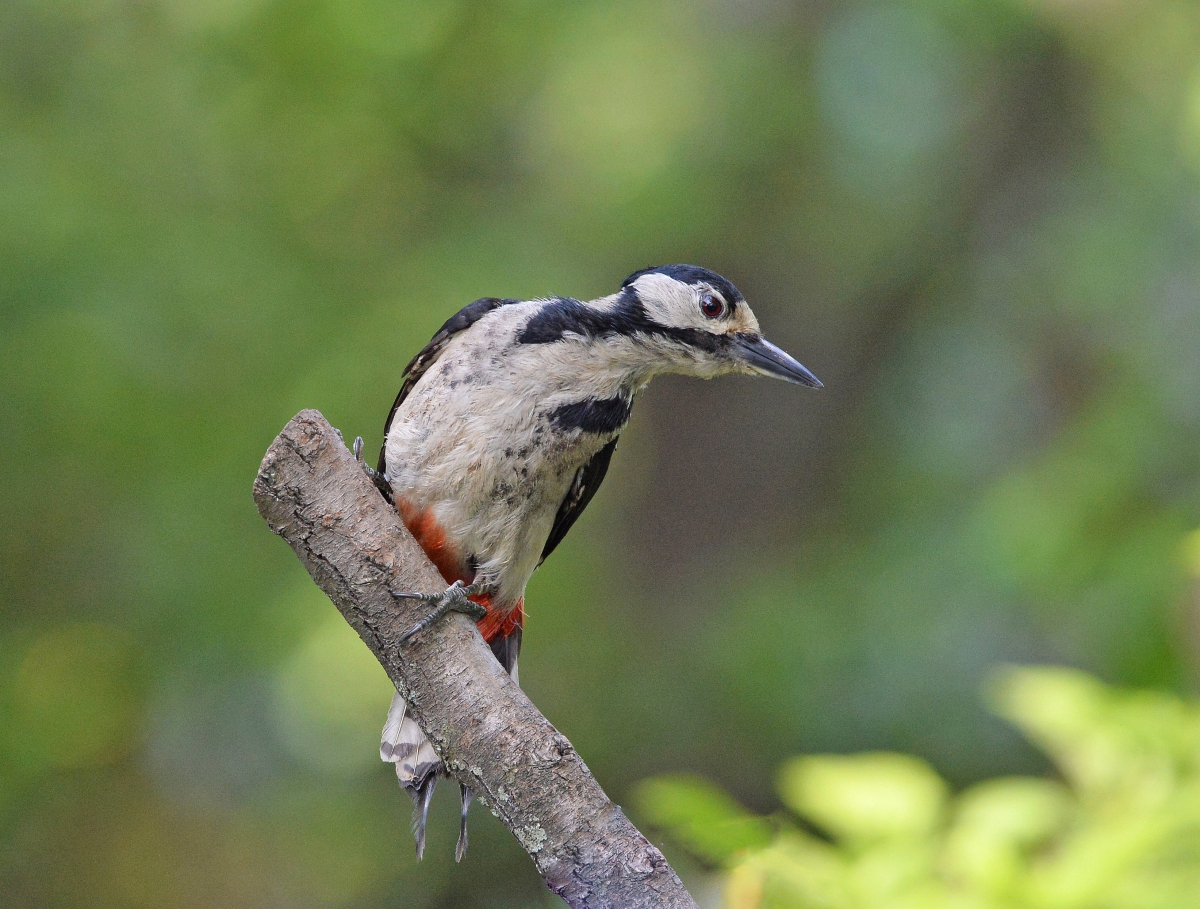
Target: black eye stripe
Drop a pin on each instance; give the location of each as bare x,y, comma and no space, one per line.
561,316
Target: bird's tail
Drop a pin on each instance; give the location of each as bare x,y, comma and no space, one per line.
417,764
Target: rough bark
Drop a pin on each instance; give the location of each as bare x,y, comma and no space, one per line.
313,494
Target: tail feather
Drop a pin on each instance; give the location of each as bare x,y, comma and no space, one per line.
422,795
405,745
461,849
418,765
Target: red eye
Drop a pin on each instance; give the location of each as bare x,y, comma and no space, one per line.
711,306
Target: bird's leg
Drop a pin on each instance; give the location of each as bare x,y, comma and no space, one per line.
454,598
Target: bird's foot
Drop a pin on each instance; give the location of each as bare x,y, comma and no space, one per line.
454,598
379,479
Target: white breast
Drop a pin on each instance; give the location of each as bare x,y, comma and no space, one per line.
473,443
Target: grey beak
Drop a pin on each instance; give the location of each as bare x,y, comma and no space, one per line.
766,359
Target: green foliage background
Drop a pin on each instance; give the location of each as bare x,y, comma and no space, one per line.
976,221
1120,831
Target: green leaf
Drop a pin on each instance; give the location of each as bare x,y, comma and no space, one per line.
701,817
866,796
996,826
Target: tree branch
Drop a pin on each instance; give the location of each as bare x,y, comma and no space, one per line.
313,494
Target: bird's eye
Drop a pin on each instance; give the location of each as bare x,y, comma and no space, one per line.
712,306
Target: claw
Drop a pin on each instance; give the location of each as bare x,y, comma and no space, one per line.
358,449
379,479
454,598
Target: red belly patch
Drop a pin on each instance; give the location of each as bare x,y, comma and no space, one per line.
448,560
432,538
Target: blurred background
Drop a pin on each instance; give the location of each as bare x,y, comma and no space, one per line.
977,222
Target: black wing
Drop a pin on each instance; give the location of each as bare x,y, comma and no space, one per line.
419,365
584,486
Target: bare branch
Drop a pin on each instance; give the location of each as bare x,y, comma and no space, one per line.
313,494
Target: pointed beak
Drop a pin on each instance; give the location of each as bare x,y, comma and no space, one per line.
764,358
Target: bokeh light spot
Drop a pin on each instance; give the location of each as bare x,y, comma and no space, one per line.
613,114
962,403
888,81
75,696
210,745
331,698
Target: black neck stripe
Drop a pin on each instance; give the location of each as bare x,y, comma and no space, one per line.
601,416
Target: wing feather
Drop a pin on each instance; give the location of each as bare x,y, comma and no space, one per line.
427,356
587,481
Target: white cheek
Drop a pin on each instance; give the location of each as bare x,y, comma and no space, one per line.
666,300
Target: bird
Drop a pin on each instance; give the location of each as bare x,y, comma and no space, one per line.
503,430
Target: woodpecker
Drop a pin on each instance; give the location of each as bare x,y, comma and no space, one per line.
502,432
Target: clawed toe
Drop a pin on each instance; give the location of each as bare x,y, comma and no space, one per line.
455,598
379,479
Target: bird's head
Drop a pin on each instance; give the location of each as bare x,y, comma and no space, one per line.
698,323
